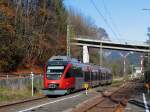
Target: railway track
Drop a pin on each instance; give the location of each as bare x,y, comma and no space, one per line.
114,100
35,102
22,101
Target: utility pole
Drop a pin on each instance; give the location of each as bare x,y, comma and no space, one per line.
101,55
148,62
142,62
68,40
132,69
124,61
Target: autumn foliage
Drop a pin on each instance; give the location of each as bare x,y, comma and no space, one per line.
31,32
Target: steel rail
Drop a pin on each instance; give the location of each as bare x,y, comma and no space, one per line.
22,101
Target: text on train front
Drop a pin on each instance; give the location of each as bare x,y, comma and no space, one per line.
54,72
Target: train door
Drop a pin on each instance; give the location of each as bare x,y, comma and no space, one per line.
90,78
69,81
78,75
99,77
106,78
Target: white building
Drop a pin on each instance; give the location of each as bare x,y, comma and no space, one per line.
138,72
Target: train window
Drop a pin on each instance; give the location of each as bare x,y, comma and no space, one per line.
68,74
54,72
110,76
91,76
76,72
79,72
103,76
106,76
86,76
94,76
99,75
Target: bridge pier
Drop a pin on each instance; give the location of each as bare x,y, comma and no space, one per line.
85,54
101,55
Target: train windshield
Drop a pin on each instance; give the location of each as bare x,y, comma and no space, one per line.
54,72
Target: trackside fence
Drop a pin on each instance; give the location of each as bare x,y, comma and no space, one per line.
21,83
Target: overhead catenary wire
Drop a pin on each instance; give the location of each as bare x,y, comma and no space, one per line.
111,19
105,20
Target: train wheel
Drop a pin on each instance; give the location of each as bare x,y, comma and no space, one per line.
68,91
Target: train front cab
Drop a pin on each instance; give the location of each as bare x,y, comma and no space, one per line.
59,84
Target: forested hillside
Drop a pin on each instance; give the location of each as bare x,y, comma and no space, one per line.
31,31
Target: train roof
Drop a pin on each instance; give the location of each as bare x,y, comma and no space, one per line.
85,66
62,58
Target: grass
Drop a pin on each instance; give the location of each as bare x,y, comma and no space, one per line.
11,95
117,81
15,93
8,94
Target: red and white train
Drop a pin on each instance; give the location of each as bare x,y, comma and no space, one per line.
63,75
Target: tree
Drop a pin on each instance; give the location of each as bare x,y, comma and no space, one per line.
30,31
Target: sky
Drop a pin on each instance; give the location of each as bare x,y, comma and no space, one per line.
125,18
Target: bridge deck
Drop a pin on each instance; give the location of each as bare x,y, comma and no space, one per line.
110,45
